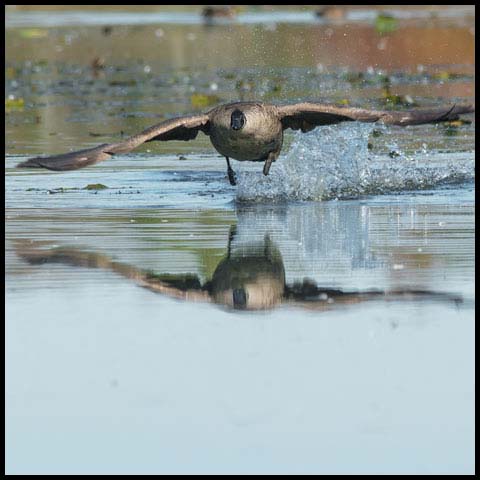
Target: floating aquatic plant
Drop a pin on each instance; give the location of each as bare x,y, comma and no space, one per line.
385,23
95,186
201,100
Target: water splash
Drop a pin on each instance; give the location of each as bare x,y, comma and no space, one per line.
334,162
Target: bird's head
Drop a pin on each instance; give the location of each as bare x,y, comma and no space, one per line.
237,120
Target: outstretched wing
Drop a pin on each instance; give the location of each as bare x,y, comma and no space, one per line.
307,116
182,128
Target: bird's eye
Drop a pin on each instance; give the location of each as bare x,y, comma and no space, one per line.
237,120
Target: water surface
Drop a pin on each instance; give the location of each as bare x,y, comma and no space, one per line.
113,368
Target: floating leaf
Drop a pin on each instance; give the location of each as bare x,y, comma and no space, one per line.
442,76
12,102
57,190
10,73
200,100
95,186
451,128
354,77
458,123
122,83
385,24
390,99
33,33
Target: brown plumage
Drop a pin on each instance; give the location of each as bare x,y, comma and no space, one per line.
247,131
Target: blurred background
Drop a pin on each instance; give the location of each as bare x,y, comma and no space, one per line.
77,72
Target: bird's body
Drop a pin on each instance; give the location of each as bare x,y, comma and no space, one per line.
261,134
247,131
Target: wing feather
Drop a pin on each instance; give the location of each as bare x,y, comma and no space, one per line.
182,128
306,116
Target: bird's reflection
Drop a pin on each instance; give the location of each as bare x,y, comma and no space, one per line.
248,278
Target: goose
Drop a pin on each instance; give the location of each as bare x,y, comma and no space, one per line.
247,131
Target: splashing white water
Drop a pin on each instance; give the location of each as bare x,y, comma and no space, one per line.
335,162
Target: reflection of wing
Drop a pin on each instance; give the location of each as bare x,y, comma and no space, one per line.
264,292
185,287
306,116
312,297
182,128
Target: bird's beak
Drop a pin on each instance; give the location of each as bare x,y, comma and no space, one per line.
236,123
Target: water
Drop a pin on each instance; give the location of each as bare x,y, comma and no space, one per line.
124,353
335,162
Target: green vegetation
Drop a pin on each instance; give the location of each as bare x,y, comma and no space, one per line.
385,24
95,186
14,103
33,33
201,100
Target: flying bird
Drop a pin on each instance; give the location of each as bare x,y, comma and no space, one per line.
247,131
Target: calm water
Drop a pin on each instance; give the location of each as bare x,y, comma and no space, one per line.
123,351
